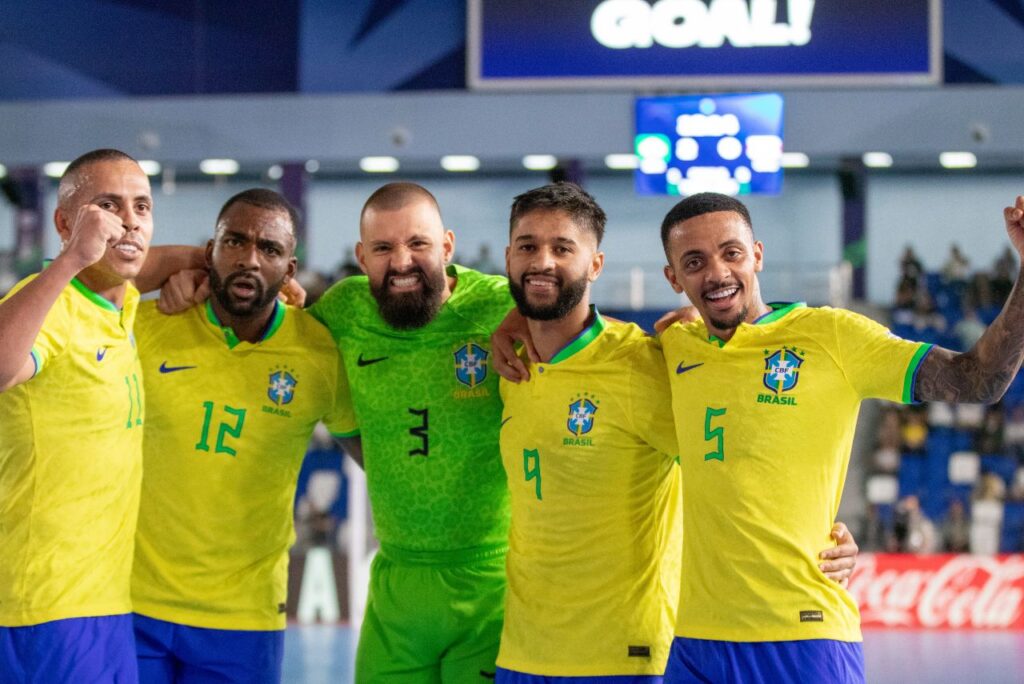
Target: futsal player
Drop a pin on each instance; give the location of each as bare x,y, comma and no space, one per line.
765,398
588,446
234,389
71,435
414,335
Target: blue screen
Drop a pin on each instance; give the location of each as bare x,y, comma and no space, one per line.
730,144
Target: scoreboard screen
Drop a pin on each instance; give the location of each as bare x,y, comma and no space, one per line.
730,144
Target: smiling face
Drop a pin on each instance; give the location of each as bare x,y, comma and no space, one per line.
122,188
250,258
404,252
551,262
715,260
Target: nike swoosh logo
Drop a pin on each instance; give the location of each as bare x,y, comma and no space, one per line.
505,421
369,362
164,368
100,353
680,369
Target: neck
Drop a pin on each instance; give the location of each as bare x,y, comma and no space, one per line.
109,287
551,337
756,311
248,328
451,282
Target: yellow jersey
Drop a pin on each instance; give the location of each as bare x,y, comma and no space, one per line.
70,465
228,424
765,423
589,449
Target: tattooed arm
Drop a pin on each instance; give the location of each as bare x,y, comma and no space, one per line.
982,374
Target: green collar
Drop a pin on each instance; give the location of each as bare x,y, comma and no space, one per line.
580,342
276,319
778,310
87,293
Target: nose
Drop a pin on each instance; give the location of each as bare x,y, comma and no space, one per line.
718,269
246,256
129,219
543,259
401,259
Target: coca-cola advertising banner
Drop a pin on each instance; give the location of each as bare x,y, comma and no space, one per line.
940,591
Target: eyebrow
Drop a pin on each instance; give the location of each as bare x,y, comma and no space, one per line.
722,245
562,240
119,198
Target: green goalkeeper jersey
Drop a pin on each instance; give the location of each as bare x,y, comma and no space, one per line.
428,409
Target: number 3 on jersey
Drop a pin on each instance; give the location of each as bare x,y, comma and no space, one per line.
718,434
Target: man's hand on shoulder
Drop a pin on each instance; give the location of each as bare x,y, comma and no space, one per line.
183,290
684,314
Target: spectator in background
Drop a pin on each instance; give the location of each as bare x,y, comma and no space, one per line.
1003,271
957,268
915,431
970,328
926,315
911,269
913,531
887,455
956,529
1013,431
989,438
485,263
987,514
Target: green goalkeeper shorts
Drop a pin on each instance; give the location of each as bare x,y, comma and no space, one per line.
432,618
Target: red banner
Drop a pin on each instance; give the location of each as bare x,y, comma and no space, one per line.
940,591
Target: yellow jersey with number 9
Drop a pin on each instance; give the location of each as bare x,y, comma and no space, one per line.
765,423
593,562
71,463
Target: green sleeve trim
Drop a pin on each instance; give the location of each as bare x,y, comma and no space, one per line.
588,335
37,361
779,309
93,297
911,375
345,435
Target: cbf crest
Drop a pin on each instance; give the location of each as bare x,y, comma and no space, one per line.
282,387
581,415
471,364
782,369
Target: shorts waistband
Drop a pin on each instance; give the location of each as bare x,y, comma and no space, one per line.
446,557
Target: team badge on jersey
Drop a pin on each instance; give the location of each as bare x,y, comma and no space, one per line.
282,387
782,370
471,364
581,416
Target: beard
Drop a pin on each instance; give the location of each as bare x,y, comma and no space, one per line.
410,310
730,323
569,296
263,296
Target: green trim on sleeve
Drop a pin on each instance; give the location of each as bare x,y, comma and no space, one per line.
583,339
912,368
37,361
345,435
93,297
778,310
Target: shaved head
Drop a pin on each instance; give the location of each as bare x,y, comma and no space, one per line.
395,196
72,178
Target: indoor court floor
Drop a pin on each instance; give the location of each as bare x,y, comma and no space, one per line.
322,654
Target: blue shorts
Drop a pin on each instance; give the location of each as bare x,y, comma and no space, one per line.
512,677
86,649
172,653
813,660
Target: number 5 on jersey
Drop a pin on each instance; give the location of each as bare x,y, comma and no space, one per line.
718,434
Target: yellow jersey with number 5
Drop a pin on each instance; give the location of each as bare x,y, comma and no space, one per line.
71,463
765,423
228,425
589,451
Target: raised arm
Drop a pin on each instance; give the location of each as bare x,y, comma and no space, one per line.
22,314
982,374
164,261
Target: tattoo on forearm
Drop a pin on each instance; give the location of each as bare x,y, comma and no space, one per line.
982,374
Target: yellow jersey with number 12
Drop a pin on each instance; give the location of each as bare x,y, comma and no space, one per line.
593,564
231,421
765,424
70,465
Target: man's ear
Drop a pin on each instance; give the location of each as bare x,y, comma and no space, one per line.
361,257
670,276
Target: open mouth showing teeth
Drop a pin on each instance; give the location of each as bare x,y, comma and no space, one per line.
722,294
128,249
541,283
401,282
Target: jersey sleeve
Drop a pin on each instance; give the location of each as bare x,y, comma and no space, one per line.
651,399
877,364
55,334
341,421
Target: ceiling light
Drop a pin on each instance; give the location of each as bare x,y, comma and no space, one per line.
795,160
3,171
540,162
312,166
958,160
621,162
877,160
275,172
378,164
150,167
55,169
460,162
219,167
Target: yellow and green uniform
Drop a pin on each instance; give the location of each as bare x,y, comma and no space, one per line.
228,424
70,465
589,449
765,423
428,411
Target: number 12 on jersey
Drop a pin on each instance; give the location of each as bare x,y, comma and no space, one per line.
531,468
